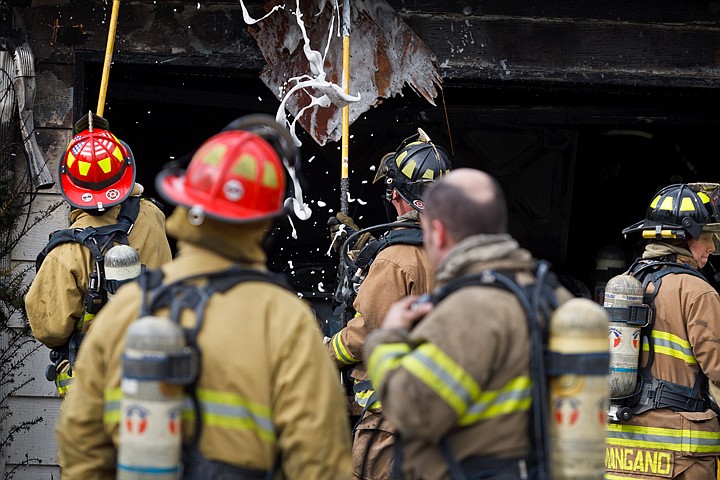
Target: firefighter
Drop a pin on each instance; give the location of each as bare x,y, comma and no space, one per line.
455,380
97,178
396,266
672,432
267,397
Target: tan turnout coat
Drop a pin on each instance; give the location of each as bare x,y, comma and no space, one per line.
55,300
260,344
480,330
686,334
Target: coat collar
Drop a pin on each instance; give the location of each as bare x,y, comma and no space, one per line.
482,252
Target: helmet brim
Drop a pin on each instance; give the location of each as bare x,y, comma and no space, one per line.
86,199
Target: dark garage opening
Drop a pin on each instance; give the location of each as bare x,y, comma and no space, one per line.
577,165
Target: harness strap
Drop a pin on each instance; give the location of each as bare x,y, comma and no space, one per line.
653,393
199,467
362,386
184,294
96,295
456,471
538,300
633,315
577,364
404,236
126,219
407,233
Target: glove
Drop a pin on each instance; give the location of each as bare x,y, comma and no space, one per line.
342,226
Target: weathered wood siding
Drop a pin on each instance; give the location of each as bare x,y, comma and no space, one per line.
32,455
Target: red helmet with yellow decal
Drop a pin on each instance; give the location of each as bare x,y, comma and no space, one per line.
236,176
97,170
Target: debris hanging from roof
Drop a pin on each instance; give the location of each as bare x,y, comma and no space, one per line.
385,54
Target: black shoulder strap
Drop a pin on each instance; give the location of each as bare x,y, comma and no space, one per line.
406,236
97,239
506,281
652,272
352,272
183,293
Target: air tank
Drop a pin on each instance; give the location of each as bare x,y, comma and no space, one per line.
578,390
621,293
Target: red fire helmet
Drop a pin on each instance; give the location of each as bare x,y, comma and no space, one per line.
235,177
97,170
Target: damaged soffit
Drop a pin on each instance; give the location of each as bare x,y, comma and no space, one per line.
385,55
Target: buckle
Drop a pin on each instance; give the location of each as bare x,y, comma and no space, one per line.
639,315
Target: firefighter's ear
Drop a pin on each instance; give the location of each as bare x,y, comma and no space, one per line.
439,235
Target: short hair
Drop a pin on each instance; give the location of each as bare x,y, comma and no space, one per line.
463,214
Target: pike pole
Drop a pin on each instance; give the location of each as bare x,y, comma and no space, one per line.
108,58
344,177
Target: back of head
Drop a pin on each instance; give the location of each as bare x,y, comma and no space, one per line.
414,165
97,170
468,202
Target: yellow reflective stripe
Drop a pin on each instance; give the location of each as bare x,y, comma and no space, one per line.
229,410
219,409
384,358
188,409
341,352
443,375
63,379
84,321
111,405
514,396
450,381
362,397
665,343
63,382
676,440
